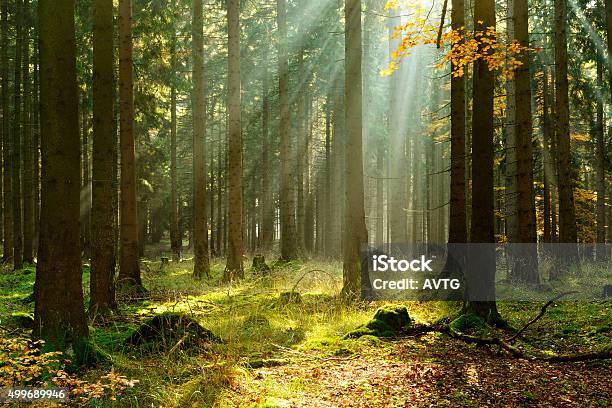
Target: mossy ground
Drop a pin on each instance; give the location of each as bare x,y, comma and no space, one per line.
286,338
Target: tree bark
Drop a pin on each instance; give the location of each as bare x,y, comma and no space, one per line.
28,176
234,268
59,316
481,282
267,219
525,261
356,232
16,141
201,266
600,163
567,215
129,265
175,239
287,193
7,199
102,285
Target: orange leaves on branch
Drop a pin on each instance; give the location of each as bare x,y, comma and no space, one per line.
464,48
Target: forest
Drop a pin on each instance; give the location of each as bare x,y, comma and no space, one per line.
306,203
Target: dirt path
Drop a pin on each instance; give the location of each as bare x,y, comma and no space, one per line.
428,371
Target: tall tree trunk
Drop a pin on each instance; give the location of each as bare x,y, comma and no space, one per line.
525,262
301,150
102,280
546,159
35,120
267,219
397,149
175,239
16,141
85,187
129,264
600,163
7,199
201,266
28,176
356,232
220,182
59,316
287,193
567,215
481,280
510,142
457,232
327,203
233,267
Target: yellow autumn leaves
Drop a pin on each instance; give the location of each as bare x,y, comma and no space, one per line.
464,47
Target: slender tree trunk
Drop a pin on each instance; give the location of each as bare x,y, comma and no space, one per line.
567,215
233,267
102,285
287,193
356,232
59,319
600,152
7,199
327,204
481,280
546,159
28,176
510,142
201,266
36,142
175,239
397,149
267,220
220,182
85,187
301,146
16,141
129,265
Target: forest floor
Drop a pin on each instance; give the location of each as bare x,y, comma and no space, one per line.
279,354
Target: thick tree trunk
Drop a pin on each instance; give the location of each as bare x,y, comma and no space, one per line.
233,267
525,261
59,316
287,192
567,215
102,280
201,266
129,265
356,232
481,280
175,239
7,199
16,141
457,228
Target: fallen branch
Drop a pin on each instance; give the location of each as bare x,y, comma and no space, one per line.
538,317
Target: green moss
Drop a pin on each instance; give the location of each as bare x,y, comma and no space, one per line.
466,322
389,321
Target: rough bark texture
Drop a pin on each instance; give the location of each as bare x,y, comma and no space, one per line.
458,222
16,141
7,215
233,267
482,223
59,316
525,263
567,215
102,280
129,266
201,266
356,232
287,193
